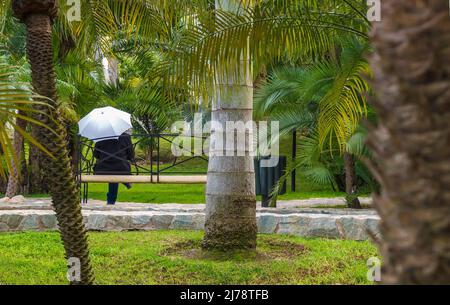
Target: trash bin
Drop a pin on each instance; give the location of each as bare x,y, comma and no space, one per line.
268,177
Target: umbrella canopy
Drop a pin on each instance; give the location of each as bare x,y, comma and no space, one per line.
104,123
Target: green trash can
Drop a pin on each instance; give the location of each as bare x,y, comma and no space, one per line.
266,177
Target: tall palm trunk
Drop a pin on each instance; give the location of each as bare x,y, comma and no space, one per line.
230,190
37,16
36,183
15,175
411,143
350,182
3,180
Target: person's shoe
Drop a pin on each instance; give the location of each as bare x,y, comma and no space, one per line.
128,185
110,203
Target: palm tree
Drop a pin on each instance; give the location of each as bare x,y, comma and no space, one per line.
16,99
11,54
326,101
215,55
15,179
230,190
101,20
216,47
411,142
78,91
38,15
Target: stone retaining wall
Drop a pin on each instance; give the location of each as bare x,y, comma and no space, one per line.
345,225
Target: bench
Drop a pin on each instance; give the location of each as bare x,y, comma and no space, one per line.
143,179
140,174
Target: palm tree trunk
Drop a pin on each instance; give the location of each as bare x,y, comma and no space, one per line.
350,182
411,143
36,184
3,184
230,190
58,173
15,176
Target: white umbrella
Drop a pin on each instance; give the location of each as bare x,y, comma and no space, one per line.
104,123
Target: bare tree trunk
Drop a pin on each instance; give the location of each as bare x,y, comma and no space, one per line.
350,182
16,176
230,190
411,143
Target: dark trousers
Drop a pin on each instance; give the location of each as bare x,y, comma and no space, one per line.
113,190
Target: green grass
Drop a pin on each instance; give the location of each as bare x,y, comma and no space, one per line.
340,206
192,193
169,257
179,193
196,193
153,193
189,193
147,193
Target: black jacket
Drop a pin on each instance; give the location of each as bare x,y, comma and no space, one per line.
114,156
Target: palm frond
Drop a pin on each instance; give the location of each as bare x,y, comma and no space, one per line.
279,91
217,40
356,143
14,97
344,105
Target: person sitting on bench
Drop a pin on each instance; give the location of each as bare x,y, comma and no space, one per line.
114,157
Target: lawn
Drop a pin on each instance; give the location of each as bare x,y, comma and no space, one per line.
146,193
190,193
173,257
193,193
153,193
196,193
